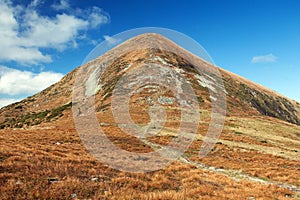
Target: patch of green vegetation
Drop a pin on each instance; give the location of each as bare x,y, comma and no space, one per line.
58,112
268,105
31,119
33,116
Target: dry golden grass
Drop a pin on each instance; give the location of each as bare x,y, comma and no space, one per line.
34,166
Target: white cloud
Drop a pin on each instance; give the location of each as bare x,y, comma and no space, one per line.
25,34
7,101
111,40
264,59
35,3
54,33
23,55
16,82
62,5
97,17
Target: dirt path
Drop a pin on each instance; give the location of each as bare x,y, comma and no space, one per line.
237,175
234,174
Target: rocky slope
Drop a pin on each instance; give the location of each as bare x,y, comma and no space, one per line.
243,96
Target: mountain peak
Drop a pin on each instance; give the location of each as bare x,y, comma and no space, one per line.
148,40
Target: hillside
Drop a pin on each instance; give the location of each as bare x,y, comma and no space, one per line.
243,96
256,156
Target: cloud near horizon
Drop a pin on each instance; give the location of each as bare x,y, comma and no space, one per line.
7,101
16,84
25,33
269,58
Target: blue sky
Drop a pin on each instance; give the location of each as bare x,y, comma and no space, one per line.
42,40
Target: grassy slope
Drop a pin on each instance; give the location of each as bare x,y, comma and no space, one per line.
49,161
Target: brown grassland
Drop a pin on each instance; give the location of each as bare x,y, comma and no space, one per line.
48,161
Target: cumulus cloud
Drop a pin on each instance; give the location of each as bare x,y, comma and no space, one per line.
111,40
264,59
25,33
54,33
97,17
15,82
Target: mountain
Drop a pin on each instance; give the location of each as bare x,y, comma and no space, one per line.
243,96
257,152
